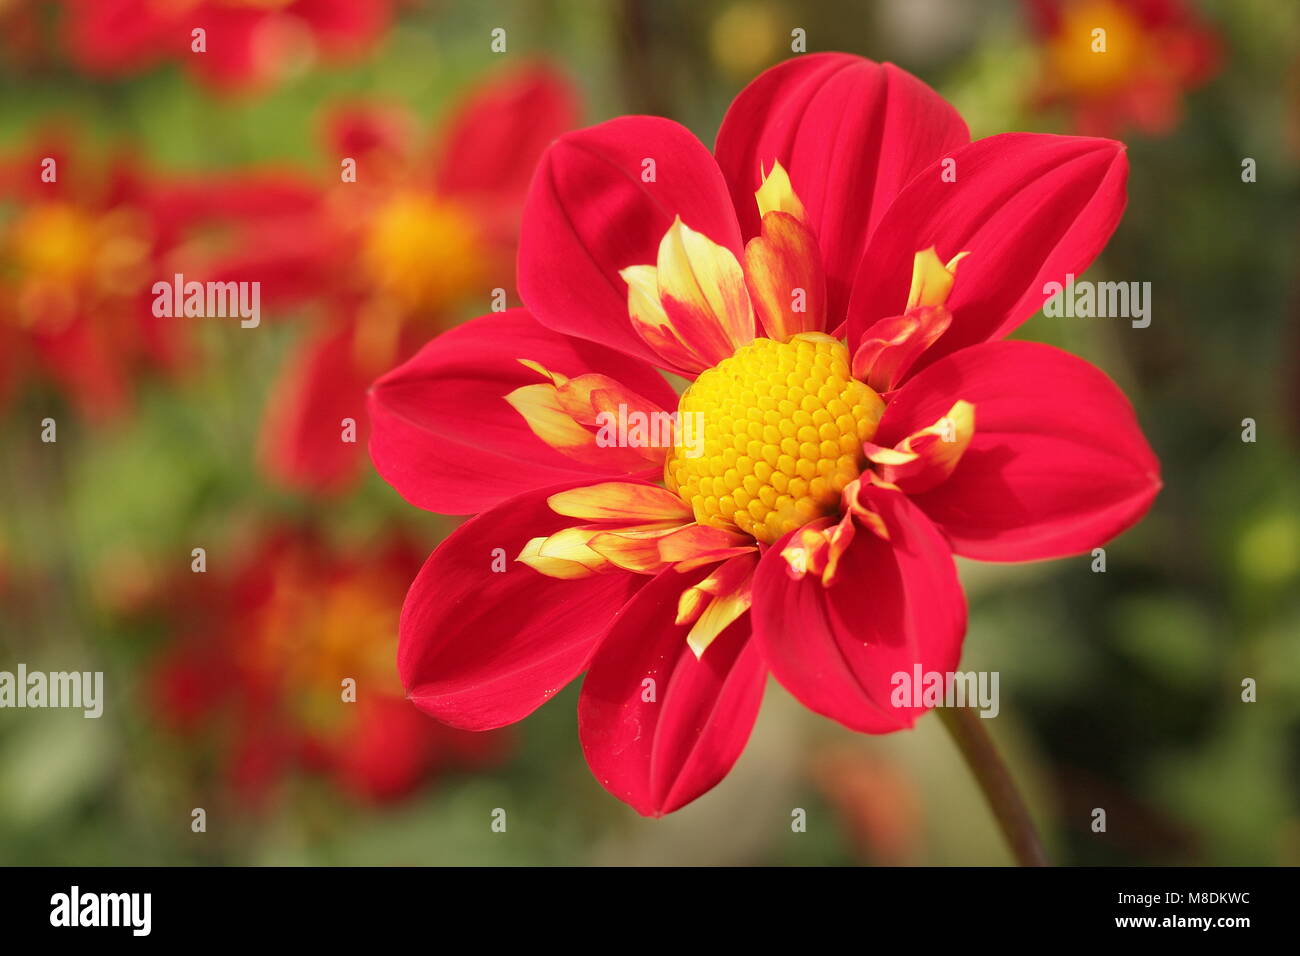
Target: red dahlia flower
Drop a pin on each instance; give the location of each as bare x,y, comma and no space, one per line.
1154,51
834,281
263,678
393,255
247,43
81,241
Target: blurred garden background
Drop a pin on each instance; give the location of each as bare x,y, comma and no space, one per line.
1120,690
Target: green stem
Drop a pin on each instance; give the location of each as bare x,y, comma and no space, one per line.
968,733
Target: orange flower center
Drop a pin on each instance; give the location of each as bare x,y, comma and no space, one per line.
54,240
401,238
64,256
311,637
1097,48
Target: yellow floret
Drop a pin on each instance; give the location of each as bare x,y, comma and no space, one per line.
783,426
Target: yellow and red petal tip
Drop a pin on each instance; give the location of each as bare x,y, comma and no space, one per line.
932,280
637,549
564,411
598,401
783,273
554,377
651,322
863,511
563,555
620,501
776,194
649,318
712,604
888,456
541,408
805,552
839,537
725,578
698,543
721,612
702,291
891,346
927,457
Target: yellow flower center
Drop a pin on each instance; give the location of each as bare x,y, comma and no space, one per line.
310,636
405,233
783,426
54,240
1097,48
60,253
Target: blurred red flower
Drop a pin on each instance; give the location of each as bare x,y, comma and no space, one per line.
1133,73
423,229
247,43
259,661
81,241
876,799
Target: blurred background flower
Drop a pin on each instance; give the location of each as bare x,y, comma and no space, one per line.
418,231
1120,690
246,44
1115,64
258,661
80,239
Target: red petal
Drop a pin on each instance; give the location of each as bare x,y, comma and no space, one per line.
267,225
443,434
247,50
90,363
894,604
661,754
481,648
382,753
496,137
851,133
590,214
1028,207
344,27
248,47
118,36
302,443
1058,464
369,129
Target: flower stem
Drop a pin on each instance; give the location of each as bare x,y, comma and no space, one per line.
968,733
